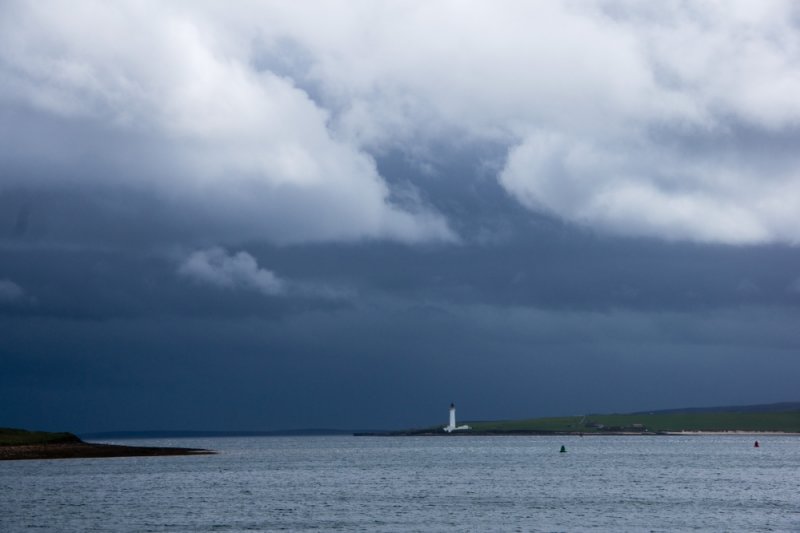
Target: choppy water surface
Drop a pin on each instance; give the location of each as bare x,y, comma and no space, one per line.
417,484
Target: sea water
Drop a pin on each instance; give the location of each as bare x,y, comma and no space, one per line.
455,483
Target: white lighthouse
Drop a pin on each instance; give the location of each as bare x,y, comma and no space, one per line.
452,425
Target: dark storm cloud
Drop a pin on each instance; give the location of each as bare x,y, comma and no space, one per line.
542,318
217,218
360,368
552,268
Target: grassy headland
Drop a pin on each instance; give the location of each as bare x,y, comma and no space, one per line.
788,422
778,418
22,444
20,437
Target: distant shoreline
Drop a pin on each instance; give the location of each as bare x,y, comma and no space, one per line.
734,433
88,450
533,433
769,419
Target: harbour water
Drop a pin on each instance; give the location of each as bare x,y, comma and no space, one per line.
457,483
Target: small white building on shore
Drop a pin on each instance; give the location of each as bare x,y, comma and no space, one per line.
452,425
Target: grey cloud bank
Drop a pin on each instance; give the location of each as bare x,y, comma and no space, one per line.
326,212
358,368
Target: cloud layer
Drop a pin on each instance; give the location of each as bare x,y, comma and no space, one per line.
208,206
675,120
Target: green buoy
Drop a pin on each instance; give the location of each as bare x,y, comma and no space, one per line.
563,449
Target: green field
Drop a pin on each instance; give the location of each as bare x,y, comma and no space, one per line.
788,422
18,437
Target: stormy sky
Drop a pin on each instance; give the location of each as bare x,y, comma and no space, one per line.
348,214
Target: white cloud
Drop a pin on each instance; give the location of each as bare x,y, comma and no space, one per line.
647,103
642,189
10,291
669,119
178,108
216,267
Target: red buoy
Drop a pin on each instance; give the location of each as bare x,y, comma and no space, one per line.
756,445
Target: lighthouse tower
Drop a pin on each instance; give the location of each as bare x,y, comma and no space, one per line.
452,425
